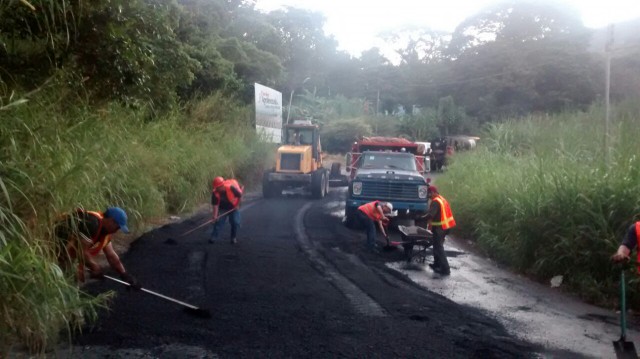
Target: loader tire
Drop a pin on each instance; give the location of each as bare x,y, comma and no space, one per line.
319,183
268,187
335,170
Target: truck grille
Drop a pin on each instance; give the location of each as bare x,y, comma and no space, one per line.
290,161
390,191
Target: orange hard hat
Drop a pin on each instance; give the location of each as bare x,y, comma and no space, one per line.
218,181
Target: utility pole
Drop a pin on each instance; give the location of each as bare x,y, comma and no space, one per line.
378,103
289,109
607,49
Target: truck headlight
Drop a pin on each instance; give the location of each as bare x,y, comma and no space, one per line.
357,188
422,191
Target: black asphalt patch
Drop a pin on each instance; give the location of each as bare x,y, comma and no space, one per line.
268,300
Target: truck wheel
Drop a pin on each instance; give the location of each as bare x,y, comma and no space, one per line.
267,187
326,185
350,217
318,184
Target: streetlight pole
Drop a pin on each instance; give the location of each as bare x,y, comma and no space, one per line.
291,98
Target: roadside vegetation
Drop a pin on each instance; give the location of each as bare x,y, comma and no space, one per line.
59,153
540,196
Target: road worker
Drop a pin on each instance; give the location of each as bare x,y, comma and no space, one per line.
629,242
225,199
371,213
441,221
84,234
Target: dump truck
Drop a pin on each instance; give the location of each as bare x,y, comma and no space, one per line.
387,169
298,162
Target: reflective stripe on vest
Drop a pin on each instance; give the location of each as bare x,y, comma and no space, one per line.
446,217
638,244
231,197
98,242
371,210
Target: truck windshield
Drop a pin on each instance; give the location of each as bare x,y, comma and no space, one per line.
390,160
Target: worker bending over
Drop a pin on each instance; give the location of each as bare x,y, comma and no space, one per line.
84,234
225,199
371,213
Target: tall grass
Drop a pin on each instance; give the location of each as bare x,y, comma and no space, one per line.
538,196
58,153
38,302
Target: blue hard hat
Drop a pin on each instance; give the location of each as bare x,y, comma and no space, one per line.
118,215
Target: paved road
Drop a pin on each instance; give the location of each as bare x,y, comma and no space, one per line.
298,284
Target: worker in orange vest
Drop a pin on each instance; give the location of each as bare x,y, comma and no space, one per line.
225,199
441,221
371,213
629,242
84,234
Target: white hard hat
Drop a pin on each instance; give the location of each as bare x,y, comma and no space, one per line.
389,205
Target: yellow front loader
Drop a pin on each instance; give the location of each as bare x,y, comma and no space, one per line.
298,162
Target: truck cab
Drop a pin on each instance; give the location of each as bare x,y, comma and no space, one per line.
387,169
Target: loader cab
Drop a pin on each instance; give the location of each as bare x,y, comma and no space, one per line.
303,133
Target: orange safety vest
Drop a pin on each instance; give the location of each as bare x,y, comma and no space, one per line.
638,244
446,217
98,242
230,195
371,211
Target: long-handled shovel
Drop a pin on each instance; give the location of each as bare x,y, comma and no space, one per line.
208,222
191,309
624,349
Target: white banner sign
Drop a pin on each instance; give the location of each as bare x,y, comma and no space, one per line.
268,113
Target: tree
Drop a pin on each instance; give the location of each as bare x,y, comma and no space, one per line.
517,58
421,126
514,21
122,49
306,48
338,136
450,118
416,45
218,34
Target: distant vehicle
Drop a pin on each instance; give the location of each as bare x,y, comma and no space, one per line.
440,151
387,169
425,151
442,148
462,142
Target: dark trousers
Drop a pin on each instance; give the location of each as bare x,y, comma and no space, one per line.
439,257
369,226
234,220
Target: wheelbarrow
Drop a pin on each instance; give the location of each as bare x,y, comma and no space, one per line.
415,241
